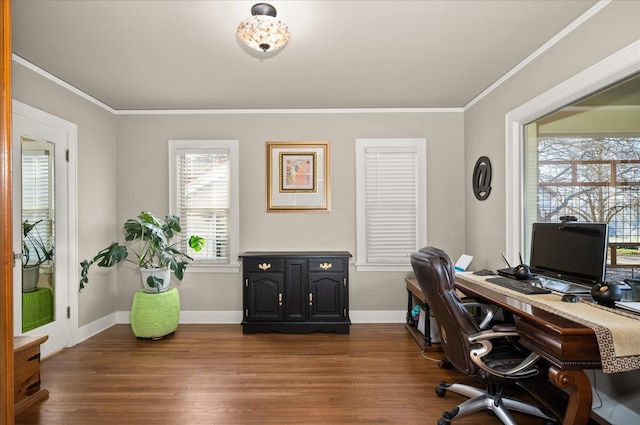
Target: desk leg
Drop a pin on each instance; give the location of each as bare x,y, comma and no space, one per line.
576,381
427,325
409,307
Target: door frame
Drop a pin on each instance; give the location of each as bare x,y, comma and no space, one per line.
6,225
69,227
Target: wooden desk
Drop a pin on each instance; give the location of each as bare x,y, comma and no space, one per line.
570,347
424,341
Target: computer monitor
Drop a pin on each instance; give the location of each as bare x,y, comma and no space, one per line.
572,252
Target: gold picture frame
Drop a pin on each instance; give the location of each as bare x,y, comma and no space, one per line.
298,176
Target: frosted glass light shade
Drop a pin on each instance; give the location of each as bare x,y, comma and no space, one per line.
263,32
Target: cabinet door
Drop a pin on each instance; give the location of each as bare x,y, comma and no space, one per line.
264,296
325,298
295,291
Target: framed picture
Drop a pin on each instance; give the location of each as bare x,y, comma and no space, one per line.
298,176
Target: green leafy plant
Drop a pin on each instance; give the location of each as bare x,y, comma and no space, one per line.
34,249
149,241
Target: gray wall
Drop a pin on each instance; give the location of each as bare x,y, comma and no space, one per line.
146,136
615,27
96,167
123,169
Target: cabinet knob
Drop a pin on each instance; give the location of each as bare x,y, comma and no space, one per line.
326,266
280,298
310,298
264,266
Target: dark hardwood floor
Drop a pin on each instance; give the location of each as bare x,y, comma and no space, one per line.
213,374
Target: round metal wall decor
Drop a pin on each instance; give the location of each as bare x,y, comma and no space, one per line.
482,178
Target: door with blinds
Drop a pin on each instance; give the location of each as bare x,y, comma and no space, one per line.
42,223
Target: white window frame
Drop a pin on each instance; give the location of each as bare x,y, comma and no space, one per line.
419,145
232,147
610,70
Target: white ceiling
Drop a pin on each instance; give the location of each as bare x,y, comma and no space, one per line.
144,55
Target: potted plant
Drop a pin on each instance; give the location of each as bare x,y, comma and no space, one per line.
34,253
149,241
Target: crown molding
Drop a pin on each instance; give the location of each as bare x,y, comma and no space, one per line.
19,60
287,111
546,46
567,30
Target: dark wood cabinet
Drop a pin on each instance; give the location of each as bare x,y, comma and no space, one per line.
296,292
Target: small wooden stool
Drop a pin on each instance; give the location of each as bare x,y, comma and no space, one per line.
154,315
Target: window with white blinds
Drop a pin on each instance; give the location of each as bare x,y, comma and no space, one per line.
391,202
204,196
37,192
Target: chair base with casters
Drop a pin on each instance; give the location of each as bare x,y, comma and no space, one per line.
491,400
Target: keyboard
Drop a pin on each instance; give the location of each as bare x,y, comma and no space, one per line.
518,285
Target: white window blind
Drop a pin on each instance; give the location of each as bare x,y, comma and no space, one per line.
203,197
37,192
391,206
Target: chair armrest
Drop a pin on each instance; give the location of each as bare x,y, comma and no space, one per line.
483,338
488,311
499,331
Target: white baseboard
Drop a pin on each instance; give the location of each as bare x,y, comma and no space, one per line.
231,317
97,326
375,316
613,412
228,317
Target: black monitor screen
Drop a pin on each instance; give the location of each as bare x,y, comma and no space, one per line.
574,252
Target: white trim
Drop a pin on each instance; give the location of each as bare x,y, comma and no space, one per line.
234,194
378,316
232,317
70,227
286,111
614,68
53,78
106,107
97,326
419,146
366,267
611,410
233,267
546,46
235,317
566,31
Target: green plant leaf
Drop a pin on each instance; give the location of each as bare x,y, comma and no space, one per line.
196,243
173,223
155,282
149,239
180,267
111,255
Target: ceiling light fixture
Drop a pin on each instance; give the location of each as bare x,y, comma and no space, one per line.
263,31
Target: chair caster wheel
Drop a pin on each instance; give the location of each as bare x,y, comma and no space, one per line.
440,391
443,421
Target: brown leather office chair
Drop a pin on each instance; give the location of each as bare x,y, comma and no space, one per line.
492,356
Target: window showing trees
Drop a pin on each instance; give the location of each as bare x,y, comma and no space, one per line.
584,161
